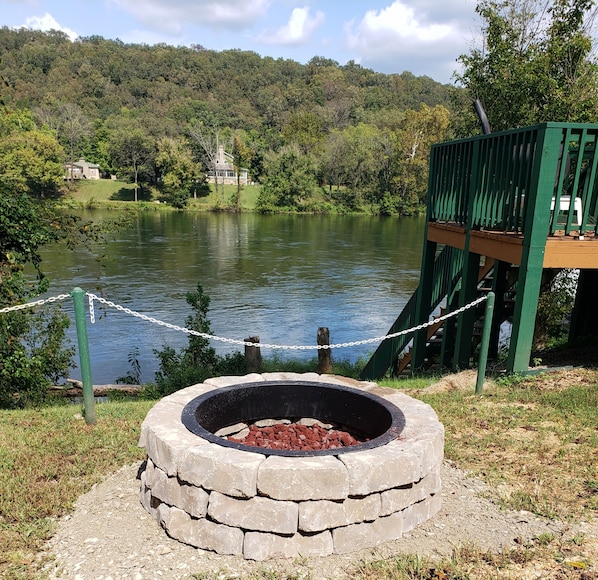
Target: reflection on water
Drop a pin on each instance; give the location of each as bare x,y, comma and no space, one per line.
277,277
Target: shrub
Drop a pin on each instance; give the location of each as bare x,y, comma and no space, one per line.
198,361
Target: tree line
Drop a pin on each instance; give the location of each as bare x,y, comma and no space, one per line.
154,114
318,137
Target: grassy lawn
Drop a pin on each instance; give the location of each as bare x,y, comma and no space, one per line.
109,193
48,457
535,441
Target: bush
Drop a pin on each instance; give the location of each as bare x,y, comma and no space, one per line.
32,357
554,306
198,361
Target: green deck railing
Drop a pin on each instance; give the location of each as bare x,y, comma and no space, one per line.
499,181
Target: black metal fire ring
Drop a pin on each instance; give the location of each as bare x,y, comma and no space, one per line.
360,412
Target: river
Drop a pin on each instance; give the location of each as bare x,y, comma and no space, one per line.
279,277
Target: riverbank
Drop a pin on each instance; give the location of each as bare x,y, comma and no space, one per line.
112,194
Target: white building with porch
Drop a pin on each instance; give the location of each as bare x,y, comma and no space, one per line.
225,170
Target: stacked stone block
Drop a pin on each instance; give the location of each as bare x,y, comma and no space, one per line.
233,501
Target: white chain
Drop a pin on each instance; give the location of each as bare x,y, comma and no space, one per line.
93,297
36,303
92,315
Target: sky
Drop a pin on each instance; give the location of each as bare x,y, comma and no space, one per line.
424,37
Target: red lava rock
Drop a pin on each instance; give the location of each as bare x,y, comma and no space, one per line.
296,437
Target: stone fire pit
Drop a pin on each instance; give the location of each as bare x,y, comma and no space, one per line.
234,499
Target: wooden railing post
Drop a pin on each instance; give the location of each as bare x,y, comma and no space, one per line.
253,355
324,354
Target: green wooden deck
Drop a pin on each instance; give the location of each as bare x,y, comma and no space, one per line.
519,202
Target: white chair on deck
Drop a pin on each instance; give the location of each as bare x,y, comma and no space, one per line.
565,207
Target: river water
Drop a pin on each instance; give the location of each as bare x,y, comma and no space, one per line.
279,277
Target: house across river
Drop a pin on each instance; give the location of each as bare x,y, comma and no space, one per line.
225,170
82,170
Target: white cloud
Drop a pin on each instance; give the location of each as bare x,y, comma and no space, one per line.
397,22
297,30
172,16
410,35
47,22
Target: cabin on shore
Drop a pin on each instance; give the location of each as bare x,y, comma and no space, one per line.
82,170
225,171
505,213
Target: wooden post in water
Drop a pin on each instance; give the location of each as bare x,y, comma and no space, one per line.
253,355
324,354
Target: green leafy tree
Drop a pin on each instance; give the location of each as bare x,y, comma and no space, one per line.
32,351
535,64
290,181
361,164
418,132
98,149
305,130
132,151
179,171
333,167
31,161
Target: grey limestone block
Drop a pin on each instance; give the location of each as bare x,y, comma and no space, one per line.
256,513
262,546
303,478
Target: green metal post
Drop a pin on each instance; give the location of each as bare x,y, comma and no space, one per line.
467,294
78,296
488,315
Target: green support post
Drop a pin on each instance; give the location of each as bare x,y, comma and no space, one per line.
499,287
78,296
468,293
536,226
488,315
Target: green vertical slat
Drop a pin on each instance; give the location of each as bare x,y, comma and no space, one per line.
503,163
499,287
531,154
576,179
424,303
465,322
588,189
562,172
523,150
484,172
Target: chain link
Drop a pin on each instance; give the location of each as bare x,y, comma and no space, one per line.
92,314
36,303
93,297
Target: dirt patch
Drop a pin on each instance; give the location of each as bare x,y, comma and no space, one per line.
110,535
463,381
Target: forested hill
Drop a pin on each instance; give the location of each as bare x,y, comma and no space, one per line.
266,103
241,88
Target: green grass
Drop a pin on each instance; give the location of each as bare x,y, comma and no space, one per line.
534,440
48,457
108,193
